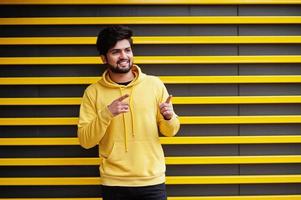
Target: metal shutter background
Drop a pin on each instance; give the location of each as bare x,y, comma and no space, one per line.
233,89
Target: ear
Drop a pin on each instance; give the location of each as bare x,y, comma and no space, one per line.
103,58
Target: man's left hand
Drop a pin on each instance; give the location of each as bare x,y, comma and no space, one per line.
166,108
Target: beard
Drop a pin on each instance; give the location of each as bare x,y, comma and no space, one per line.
118,69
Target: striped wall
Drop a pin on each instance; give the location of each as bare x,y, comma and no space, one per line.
233,67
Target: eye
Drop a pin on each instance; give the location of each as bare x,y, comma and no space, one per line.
128,50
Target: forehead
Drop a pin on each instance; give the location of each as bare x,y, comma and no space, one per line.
122,44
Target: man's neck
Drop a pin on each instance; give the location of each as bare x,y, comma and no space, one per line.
121,78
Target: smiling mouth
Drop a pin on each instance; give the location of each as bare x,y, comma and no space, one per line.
123,62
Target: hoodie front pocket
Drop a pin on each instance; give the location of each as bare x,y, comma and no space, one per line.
143,159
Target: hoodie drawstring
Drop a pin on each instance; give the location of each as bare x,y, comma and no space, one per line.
132,121
131,111
124,126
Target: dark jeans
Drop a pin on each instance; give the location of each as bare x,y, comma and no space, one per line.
153,192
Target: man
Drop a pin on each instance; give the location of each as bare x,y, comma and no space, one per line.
123,113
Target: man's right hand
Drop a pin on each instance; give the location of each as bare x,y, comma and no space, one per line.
117,106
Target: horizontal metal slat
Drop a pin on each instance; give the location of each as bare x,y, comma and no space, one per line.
151,20
38,121
149,2
40,101
262,119
204,160
242,197
165,79
231,139
153,60
235,100
164,140
170,180
187,160
175,100
155,40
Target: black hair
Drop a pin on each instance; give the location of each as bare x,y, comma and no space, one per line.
109,36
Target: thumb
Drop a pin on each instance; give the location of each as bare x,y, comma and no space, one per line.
168,99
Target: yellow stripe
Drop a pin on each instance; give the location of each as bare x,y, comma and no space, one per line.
165,140
236,100
242,197
241,119
38,141
171,180
197,160
229,79
231,139
49,40
48,80
40,101
149,2
151,20
248,179
52,198
38,121
51,181
262,119
153,60
202,160
155,40
48,161
175,100
165,79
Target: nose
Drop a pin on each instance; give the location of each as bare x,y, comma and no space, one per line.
122,54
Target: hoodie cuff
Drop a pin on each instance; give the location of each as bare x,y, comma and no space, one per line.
105,115
171,127
172,120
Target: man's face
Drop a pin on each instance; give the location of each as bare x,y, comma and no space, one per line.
120,57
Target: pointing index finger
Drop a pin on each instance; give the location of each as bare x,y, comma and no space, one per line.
123,97
168,99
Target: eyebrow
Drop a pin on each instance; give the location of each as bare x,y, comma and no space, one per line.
119,49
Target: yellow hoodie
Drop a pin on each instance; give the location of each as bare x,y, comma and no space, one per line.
129,146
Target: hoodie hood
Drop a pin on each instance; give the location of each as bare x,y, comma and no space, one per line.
108,82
